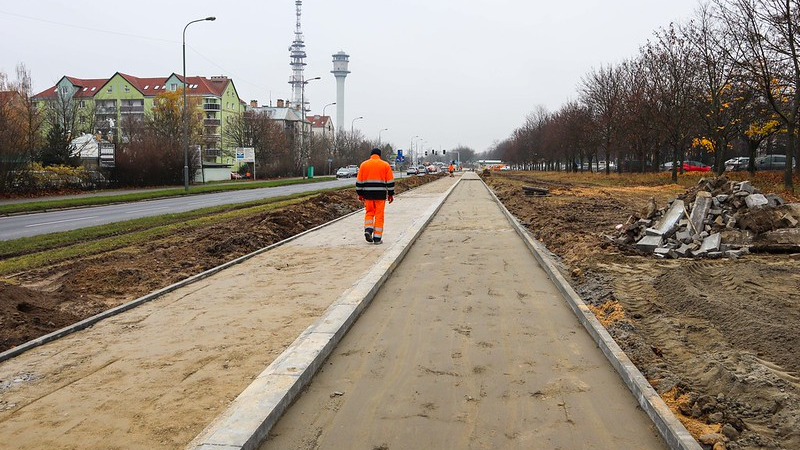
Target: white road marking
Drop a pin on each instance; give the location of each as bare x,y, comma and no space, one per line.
59,221
134,211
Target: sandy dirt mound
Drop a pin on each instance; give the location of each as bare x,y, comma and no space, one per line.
717,338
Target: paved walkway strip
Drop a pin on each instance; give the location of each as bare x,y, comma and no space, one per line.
468,345
249,418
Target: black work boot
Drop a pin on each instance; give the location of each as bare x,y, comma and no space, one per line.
368,234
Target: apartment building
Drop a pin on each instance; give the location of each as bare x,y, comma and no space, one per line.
110,107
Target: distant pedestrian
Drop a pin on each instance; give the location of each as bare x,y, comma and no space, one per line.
374,185
451,168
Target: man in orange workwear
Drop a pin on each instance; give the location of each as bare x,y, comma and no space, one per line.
374,185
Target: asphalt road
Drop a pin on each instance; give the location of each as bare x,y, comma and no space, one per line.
27,225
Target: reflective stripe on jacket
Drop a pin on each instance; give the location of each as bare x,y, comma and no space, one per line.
375,179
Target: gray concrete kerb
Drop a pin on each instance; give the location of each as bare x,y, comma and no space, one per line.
671,429
246,422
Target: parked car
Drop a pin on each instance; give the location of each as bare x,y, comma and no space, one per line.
695,166
666,167
688,166
411,171
736,164
347,172
421,170
771,162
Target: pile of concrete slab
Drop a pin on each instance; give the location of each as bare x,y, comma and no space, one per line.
717,218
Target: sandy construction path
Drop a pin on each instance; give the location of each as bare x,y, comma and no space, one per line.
467,346
155,376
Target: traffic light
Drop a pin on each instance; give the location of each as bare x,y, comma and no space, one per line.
444,152
426,153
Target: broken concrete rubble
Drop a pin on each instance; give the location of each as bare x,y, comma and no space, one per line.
716,218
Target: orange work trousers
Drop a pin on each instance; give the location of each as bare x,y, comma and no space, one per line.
373,219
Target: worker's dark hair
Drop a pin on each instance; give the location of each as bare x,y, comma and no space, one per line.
375,151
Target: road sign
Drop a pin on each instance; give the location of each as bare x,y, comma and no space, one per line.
107,156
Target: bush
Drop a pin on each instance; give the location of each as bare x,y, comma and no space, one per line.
51,178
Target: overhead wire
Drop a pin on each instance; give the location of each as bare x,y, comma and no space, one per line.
129,35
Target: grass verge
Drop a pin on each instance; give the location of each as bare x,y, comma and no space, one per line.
39,251
44,205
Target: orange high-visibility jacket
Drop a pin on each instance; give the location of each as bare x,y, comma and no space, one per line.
375,179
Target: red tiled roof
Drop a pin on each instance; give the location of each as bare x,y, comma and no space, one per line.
86,87
150,86
206,86
146,86
318,121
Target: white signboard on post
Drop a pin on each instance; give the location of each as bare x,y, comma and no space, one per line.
245,154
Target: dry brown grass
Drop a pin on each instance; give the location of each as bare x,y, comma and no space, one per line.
766,181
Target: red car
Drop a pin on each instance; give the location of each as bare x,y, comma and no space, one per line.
695,166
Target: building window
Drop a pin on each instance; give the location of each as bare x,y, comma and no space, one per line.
173,87
110,89
127,89
82,104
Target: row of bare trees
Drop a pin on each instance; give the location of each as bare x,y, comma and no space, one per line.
726,82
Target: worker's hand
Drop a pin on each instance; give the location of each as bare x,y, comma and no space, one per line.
391,198
361,198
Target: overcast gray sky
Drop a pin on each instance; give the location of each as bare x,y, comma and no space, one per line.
462,72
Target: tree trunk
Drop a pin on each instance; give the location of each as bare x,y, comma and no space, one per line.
791,145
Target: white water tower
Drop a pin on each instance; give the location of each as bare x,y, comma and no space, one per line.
340,61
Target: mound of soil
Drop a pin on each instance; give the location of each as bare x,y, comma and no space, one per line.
718,339
26,314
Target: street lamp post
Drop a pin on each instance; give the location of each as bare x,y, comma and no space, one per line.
379,135
330,151
185,117
323,115
303,122
413,150
352,122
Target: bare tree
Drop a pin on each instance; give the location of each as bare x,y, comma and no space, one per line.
640,138
723,95
671,84
601,92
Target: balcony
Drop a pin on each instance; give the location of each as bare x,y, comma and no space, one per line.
131,109
212,106
212,122
213,153
106,110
